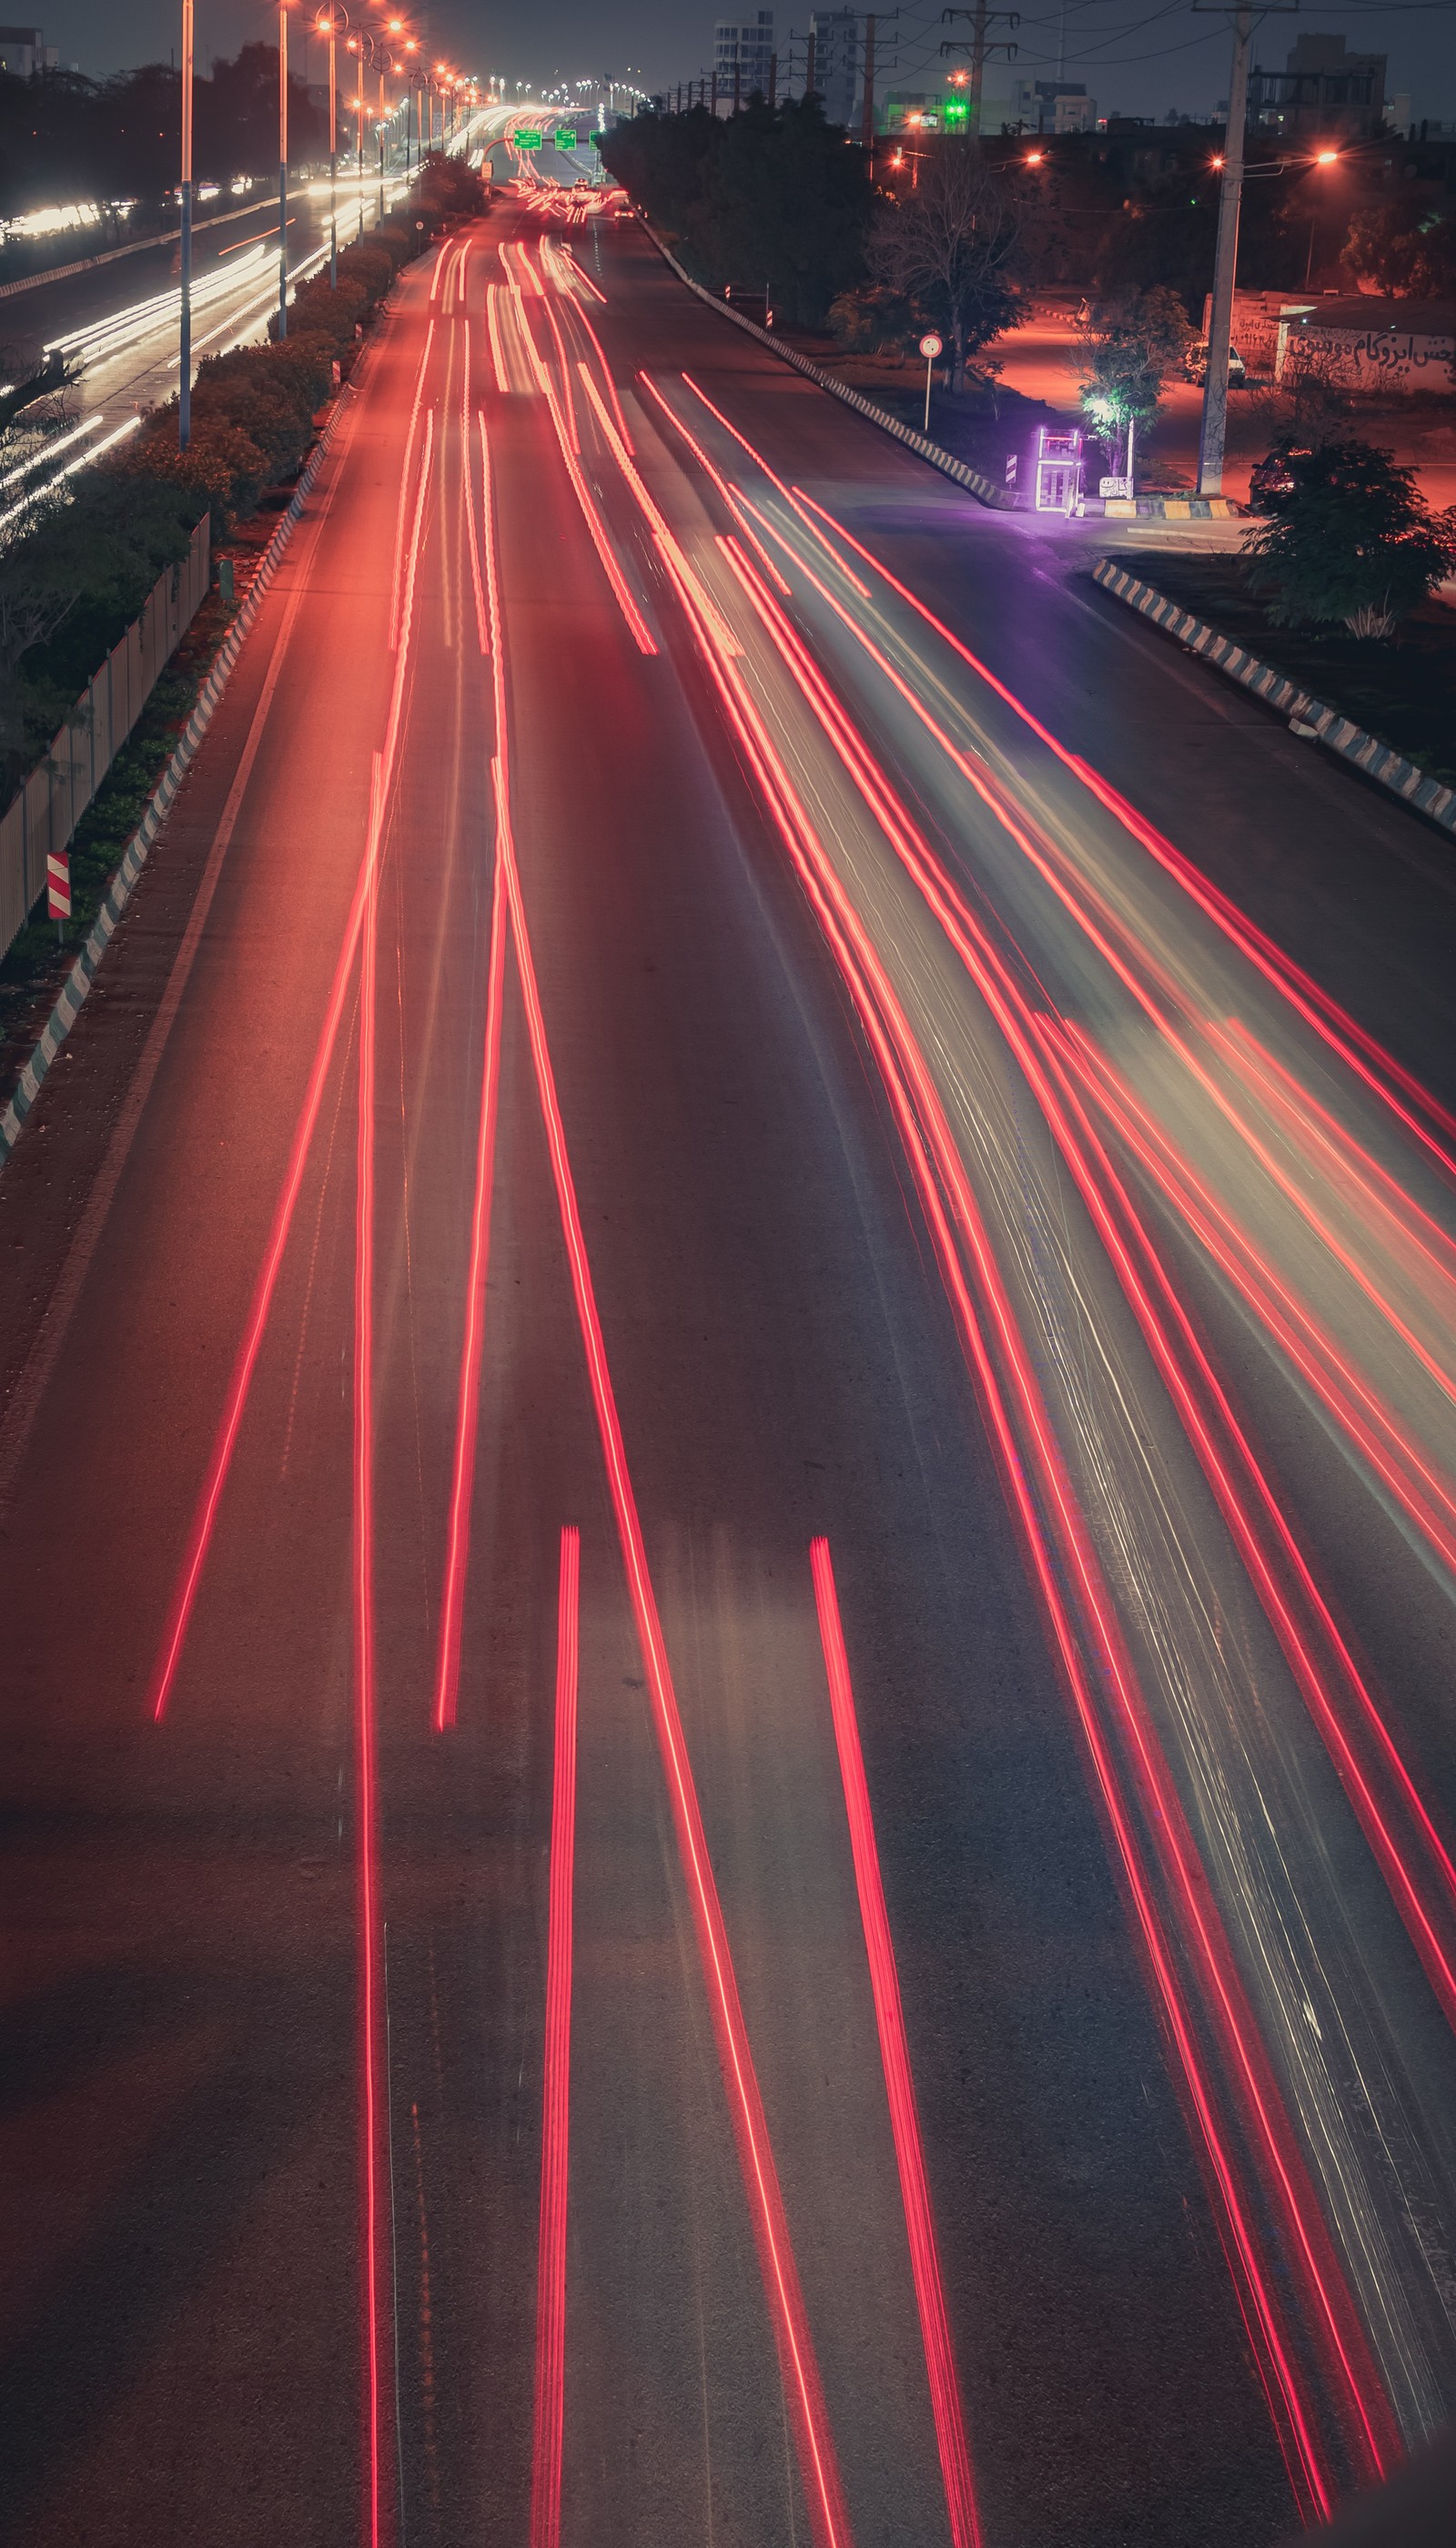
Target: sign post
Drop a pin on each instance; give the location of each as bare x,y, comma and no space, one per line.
930,346
58,886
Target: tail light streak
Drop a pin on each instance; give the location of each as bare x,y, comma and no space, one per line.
890,2019
800,2369
939,1174
1332,1024
1202,1405
366,1799
549,2416
205,1519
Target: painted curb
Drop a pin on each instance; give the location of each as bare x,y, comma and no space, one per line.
986,489
1308,716
83,972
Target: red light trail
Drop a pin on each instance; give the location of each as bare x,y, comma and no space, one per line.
802,2387
550,2393
931,1152
200,1539
1128,1242
366,1800
895,2054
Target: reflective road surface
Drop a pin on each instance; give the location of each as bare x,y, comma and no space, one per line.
729,1474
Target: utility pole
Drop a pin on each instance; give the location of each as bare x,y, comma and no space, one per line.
773,79
982,18
809,63
866,120
184,348
737,84
1226,265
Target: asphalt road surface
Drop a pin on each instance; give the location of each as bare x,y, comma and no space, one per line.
728,1529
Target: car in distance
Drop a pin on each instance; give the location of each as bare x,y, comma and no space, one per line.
1273,478
1196,364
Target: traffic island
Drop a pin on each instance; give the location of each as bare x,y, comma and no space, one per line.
1383,704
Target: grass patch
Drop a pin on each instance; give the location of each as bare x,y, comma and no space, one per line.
1401,689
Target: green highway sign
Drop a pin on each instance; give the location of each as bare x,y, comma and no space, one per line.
528,137
565,141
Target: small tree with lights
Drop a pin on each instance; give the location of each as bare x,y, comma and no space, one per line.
1135,343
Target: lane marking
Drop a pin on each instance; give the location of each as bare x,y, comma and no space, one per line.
895,2054
798,2365
549,2416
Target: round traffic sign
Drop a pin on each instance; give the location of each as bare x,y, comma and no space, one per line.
930,346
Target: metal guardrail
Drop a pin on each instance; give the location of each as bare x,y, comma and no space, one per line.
1308,716
43,817
985,489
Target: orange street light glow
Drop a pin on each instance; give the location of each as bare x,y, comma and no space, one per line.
1035,159
1326,158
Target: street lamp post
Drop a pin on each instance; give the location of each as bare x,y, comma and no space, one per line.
330,23
282,170
184,348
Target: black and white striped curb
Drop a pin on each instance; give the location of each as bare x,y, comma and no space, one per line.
1308,716
83,972
986,489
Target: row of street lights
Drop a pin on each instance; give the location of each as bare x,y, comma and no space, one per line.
453,88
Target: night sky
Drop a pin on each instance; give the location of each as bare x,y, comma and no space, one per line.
1141,60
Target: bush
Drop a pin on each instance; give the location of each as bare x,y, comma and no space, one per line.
222,463
874,319
1355,541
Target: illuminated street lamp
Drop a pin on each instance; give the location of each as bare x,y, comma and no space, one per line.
282,169
329,25
184,347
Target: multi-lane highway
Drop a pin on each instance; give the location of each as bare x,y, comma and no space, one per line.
729,1528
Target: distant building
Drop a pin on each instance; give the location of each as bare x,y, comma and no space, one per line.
746,46
836,34
1324,91
1052,106
24,51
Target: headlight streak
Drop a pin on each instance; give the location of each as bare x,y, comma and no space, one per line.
1203,1405
889,2018
1333,1023
549,2412
1383,1442
934,1164
84,460
466,478
48,451
189,1579
1329,2309
1381,2293
601,538
798,2366
1076,891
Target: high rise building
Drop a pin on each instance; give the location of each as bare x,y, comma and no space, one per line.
836,34
746,44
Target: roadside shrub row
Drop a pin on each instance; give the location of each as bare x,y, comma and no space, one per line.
254,409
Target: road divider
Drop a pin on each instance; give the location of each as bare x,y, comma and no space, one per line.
985,489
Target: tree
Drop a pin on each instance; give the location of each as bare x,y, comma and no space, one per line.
1135,343
874,319
783,205
948,246
1354,541
1404,246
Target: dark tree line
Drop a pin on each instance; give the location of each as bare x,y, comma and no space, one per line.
774,198
65,138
